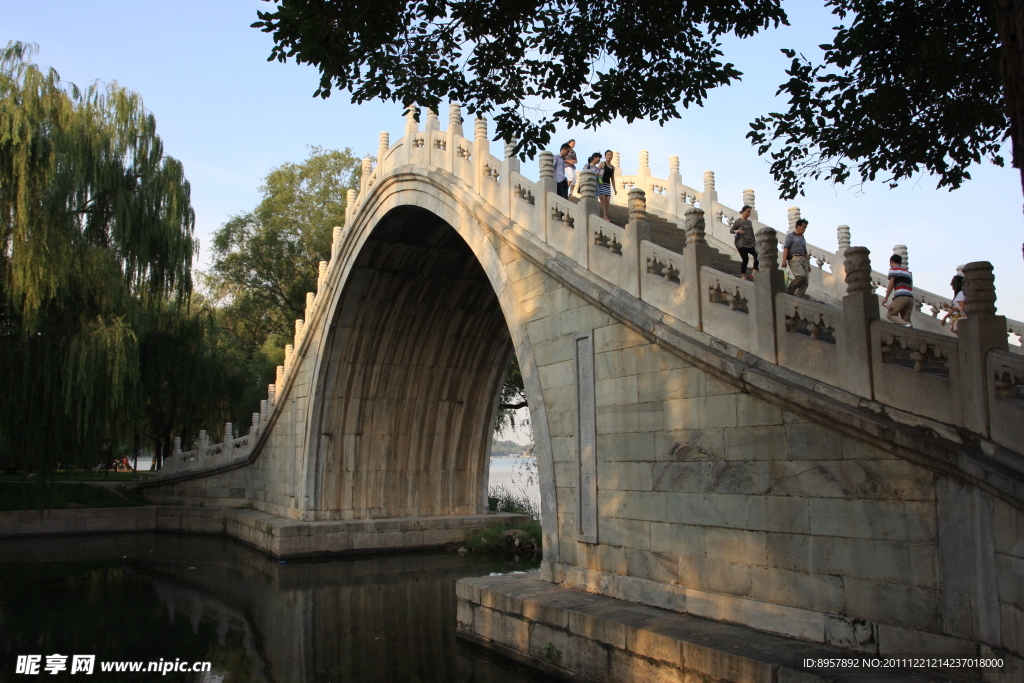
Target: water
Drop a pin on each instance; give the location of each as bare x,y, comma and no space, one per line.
147,597
518,475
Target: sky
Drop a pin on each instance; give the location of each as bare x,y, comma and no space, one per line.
230,116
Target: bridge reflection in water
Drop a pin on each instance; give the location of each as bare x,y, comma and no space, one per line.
146,597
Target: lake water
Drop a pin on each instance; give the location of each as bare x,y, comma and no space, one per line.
153,597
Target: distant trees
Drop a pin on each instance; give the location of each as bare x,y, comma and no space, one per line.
265,260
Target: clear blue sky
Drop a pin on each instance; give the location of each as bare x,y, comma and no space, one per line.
231,116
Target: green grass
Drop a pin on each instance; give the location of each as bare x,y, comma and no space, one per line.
26,496
506,499
86,476
493,538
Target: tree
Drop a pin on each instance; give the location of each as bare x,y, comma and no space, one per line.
265,261
96,225
909,85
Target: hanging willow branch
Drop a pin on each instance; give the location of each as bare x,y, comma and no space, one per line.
96,226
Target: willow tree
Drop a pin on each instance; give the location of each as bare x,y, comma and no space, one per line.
96,224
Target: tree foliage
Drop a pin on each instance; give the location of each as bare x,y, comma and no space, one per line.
598,59
264,261
904,87
96,225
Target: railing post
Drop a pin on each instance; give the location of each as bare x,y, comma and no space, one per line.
453,133
411,129
364,177
709,202
201,447
546,187
674,181
643,172
227,448
177,446
748,200
587,208
638,228
839,264
254,429
860,309
321,277
695,255
272,394
980,332
310,304
265,408
768,281
481,148
509,163
383,144
794,216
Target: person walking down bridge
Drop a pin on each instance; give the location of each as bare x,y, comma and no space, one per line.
794,253
605,183
561,182
743,230
901,287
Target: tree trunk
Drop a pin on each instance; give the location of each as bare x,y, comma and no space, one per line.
1009,18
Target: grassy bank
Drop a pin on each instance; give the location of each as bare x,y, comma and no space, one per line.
16,495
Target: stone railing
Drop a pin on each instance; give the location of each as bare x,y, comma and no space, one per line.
973,381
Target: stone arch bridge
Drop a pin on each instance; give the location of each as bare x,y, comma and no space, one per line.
797,468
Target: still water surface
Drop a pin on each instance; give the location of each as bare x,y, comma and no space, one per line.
147,597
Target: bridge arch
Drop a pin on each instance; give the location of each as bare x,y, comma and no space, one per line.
403,410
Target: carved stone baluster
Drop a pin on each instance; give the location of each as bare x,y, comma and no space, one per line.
637,229
980,332
860,308
794,216
321,276
383,144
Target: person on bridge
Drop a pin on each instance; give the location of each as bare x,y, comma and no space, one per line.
955,311
605,183
561,184
901,287
570,166
794,253
743,229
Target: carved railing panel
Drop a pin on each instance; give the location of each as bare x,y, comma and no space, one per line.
916,371
810,337
725,312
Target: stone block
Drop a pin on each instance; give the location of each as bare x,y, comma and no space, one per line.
1011,628
626,668
874,519
811,441
736,545
646,642
858,450
617,336
608,559
682,477
566,474
1009,529
563,448
798,552
562,424
755,443
821,479
616,391
710,575
556,375
752,411
706,509
851,634
724,666
705,412
641,417
680,539
552,351
501,628
629,447
690,445
625,476
744,478
894,480
588,623
566,499
584,318
896,640
892,603
671,384
1010,577
811,591
560,399
914,564
632,505
585,658
662,567
625,533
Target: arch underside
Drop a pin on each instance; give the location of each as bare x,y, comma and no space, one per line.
414,361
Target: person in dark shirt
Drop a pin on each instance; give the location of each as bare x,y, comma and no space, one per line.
743,229
794,252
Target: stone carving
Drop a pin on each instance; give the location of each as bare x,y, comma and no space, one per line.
644,159
440,143
617,162
492,173
728,220
692,200
709,181
657,267
818,325
384,141
454,115
979,289
727,294
857,262
673,165
767,241
904,347
748,197
637,205
794,216
525,194
547,165
901,251
563,216
609,242
418,141
463,152
588,185
432,122
658,189
843,236
694,226
1009,383
480,128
